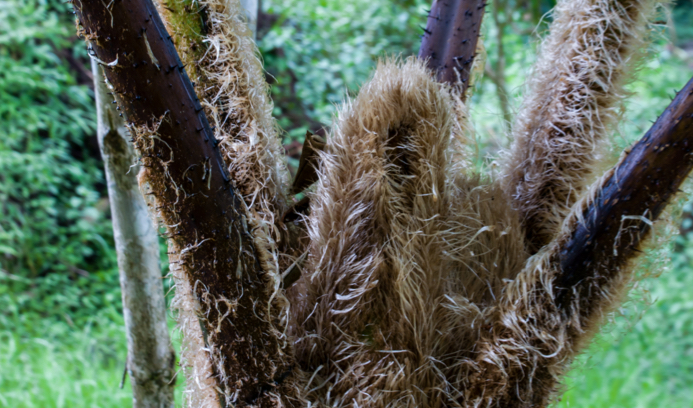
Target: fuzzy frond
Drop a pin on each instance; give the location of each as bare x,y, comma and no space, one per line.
531,337
484,240
575,98
366,328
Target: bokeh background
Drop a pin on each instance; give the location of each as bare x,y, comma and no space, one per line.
62,341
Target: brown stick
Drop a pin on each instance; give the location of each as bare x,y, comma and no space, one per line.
450,38
641,185
307,173
204,217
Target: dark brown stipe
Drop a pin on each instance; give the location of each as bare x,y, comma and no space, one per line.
636,193
204,216
450,38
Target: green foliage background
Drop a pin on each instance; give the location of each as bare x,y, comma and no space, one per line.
56,249
61,336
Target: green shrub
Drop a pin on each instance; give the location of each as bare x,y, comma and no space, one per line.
56,251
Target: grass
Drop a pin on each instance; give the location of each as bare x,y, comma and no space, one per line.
643,359
81,369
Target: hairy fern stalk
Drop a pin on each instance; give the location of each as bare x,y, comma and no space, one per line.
228,79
